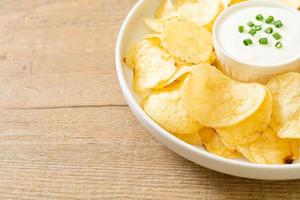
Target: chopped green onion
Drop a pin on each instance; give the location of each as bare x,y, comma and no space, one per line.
270,20
250,24
278,45
241,29
257,27
269,30
278,24
259,17
252,31
247,42
277,36
263,41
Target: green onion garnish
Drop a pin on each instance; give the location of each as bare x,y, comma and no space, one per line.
269,30
259,17
278,24
278,45
277,36
250,24
257,27
263,41
247,42
241,29
270,20
252,31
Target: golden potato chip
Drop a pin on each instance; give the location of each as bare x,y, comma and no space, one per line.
285,90
166,108
187,41
129,58
193,138
270,149
153,66
202,13
214,100
181,2
165,10
180,63
155,25
292,3
228,145
179,73
249,130
213,144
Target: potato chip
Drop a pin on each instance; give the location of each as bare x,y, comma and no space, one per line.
214,100
166,108
292,3
180,63
270,149
165,10
153,66
202,13
129,58
155,25
181,2
193,138
249,130
213,144
285,90
182,71
187,41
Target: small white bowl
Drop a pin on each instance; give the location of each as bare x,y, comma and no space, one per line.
133,30
247,72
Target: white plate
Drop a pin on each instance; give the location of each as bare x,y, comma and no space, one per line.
132,31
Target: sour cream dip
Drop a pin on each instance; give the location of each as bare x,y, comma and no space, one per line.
265,55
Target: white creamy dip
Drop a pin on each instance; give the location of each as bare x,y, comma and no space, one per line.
231,40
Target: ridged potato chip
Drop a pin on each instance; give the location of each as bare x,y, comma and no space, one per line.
165,10
202,13
187,41
155,25
214,100
153,66
166,108
181,2
213,144
129,58
285,90
193,138
292,3
270,149
249,130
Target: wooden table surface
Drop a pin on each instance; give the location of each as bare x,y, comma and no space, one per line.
66,131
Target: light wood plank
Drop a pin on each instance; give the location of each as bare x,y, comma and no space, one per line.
80,153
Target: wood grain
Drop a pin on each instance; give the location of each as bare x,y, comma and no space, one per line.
65,130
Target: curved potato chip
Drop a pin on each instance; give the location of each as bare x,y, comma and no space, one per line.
129,58
153,66
213,144
228,145
166,108
249,130
155,25
270,149
187,41
285,90
165,10
181,2
180,73
193,138
202,13
292,3
214,100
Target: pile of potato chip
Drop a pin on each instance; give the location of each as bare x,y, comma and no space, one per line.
184,92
